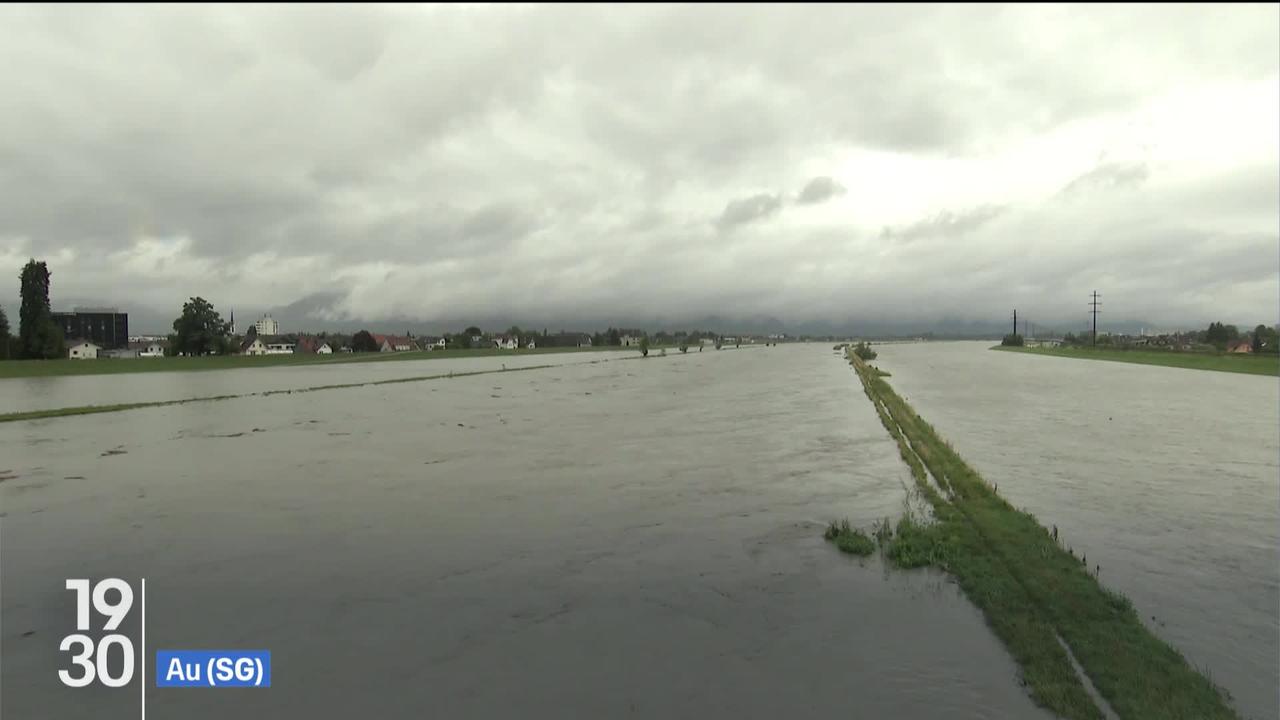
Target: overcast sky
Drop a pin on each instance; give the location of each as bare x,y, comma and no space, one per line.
802,162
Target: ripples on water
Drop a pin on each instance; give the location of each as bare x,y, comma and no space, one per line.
632,537
1168,478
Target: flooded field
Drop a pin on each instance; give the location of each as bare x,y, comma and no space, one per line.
1166,478
43,393
627,537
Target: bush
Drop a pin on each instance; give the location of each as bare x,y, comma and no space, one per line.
849,539
1014,340
864,351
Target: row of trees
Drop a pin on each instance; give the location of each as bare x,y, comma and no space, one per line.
1262,339
1218,336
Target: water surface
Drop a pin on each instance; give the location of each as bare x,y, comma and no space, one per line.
629,537
1167,478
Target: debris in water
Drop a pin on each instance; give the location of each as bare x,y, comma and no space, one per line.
73,477
115,451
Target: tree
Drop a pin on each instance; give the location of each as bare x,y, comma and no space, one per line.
38,336
614,337
1014,340
472,331
4,335
1218,335
684,345
864,351
1265,339
200,330
644,346
363,342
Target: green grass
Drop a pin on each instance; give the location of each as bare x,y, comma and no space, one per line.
1222,362
1033,591
850,540
104,366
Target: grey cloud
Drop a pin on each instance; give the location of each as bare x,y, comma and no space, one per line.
570,168
747,210
1109,176
819,189
946,224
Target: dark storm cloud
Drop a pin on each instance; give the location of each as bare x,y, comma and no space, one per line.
568,154
819,189
746,210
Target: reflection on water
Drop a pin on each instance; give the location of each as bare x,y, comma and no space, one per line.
585,541
1167,478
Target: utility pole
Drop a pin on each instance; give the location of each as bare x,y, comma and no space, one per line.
1015,321
1094,312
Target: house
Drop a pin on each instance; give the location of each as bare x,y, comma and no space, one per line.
531,345
432,343
394,343
1240,346
506,343
266,345
119,354
629,340
83,350
151,350
312,345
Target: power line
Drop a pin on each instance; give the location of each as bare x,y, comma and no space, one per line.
1094,312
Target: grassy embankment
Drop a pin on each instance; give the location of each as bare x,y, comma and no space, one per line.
104,366
1223,362
1031,590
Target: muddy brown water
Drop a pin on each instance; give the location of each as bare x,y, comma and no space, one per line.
1166,478
628,537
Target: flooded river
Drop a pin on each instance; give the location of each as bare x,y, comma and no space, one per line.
1167,478
635,537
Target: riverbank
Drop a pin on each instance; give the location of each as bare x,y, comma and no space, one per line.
1222,362
66,367
1044,602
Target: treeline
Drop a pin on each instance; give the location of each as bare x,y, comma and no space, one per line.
1217,337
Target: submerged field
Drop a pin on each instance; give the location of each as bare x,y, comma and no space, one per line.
1222,362
51,368
1042,600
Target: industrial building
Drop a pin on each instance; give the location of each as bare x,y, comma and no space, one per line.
108,328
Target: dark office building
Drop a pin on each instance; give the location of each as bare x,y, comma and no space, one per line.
105,328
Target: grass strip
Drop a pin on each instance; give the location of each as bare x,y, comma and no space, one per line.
1249,364
1032,591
